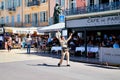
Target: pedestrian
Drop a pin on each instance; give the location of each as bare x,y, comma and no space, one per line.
28,42
6,46
9,44
116,44
65,50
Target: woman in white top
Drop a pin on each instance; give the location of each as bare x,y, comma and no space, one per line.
28,42
65,50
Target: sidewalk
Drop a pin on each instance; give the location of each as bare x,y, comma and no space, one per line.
46,54
16,55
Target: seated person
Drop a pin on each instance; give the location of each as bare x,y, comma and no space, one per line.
116,44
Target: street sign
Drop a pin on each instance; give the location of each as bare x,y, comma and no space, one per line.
61,18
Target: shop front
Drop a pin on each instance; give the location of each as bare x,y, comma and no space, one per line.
95,31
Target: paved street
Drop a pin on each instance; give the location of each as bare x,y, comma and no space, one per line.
17,65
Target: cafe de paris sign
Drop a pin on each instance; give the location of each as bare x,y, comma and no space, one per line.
97,21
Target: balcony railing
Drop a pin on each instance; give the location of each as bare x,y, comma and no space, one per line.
11,9
25,24
94,8
34,3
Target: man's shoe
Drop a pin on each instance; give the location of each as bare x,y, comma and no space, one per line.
68,65
58,64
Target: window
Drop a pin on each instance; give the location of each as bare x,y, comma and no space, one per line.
91,2
18,18
13,23
13,3
34,19
104,1
7,19
27,3
43,16
6,4
2,20
2,5
43,1
27,18
19,3
116,0
116,3
9,4
72,4
62,3
57,1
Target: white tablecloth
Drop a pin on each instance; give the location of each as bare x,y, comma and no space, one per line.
56,48
94,49
82,49
89,49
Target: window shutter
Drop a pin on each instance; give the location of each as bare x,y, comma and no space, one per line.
46,16
18,18
41,16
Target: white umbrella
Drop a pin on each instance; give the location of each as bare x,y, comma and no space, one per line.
55,27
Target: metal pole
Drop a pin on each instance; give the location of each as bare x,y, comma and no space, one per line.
85,39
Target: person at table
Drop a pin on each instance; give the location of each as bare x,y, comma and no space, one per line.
116,44
9,44
65,50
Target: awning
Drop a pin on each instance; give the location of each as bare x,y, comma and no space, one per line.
20,30
8,29
24,30
55,27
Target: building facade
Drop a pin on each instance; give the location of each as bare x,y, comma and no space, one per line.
28,13
24,13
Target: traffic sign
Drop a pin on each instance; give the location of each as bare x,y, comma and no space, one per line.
61,18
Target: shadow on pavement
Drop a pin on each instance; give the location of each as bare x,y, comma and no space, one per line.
43,54
58,57
47,65
103,66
